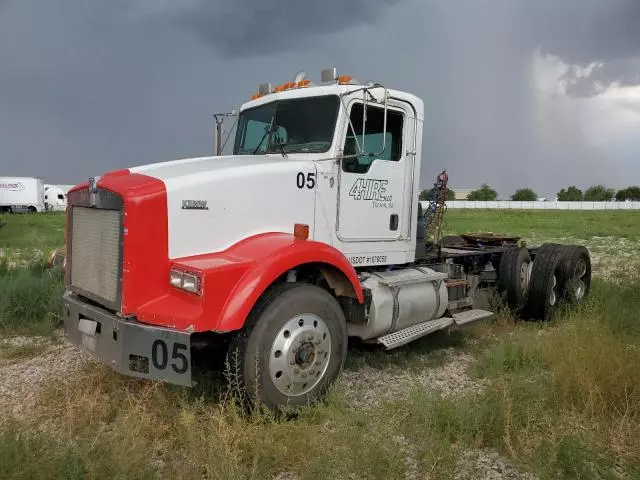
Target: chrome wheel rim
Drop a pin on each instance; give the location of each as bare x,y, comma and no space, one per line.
578,286
581,269
579,289
525,272
553,297
300,354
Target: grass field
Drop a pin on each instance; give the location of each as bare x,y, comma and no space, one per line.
560,400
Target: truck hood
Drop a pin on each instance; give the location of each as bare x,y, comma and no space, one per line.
224,165
215,202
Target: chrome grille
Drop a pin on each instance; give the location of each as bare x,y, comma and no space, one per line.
95,252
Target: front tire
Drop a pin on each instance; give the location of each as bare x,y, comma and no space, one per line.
291,349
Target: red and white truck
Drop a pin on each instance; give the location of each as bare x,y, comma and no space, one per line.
308,234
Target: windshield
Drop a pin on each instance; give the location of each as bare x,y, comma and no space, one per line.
303,125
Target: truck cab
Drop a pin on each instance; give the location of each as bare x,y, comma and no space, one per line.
306,235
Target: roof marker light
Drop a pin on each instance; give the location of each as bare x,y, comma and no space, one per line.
303,83
344,79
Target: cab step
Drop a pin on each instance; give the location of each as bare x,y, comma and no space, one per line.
470,316
409,334
406,335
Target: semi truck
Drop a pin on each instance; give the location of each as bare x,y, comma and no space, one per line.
55,198
309,234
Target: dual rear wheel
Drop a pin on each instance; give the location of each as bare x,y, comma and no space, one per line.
534,289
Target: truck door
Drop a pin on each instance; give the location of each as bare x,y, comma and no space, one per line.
372,199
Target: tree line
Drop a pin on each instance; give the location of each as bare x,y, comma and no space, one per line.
595,193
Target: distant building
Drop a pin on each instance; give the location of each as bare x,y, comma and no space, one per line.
461,194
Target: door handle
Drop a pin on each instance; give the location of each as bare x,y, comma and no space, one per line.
393,222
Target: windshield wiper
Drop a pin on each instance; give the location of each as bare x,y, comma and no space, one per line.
280,144
267,132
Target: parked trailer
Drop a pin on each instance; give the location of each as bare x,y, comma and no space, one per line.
308,234
21,194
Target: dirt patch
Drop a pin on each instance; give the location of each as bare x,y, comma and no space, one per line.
488,465
21,382
367,387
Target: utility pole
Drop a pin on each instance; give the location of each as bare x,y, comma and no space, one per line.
217,139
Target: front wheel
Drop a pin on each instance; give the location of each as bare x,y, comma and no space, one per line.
291,349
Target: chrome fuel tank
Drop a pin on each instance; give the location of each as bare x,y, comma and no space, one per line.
401,298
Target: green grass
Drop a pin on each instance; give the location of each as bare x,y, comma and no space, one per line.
551,223
32,231
30,299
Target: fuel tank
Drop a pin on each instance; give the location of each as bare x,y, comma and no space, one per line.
401,298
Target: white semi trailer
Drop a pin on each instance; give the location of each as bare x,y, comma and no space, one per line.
21,194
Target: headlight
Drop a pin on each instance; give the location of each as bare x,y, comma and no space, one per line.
187,281
176,279
190,283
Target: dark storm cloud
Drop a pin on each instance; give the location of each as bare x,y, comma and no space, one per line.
624,72
254,27
583,32
87,85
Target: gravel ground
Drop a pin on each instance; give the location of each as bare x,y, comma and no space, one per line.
20,382
367,387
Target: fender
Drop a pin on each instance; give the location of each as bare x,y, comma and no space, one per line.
234,280
278,253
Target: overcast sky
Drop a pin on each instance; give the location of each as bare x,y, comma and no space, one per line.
539,93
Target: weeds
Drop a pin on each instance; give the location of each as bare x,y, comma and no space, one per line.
12,354
30,299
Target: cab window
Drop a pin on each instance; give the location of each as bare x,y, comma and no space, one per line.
374,137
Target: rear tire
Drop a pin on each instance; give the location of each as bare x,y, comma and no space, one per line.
576,274
513,277
545,284
291,349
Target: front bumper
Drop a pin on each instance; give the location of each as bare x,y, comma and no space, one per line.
128,347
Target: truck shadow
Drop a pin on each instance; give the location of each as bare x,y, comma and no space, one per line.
211,368
427,351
